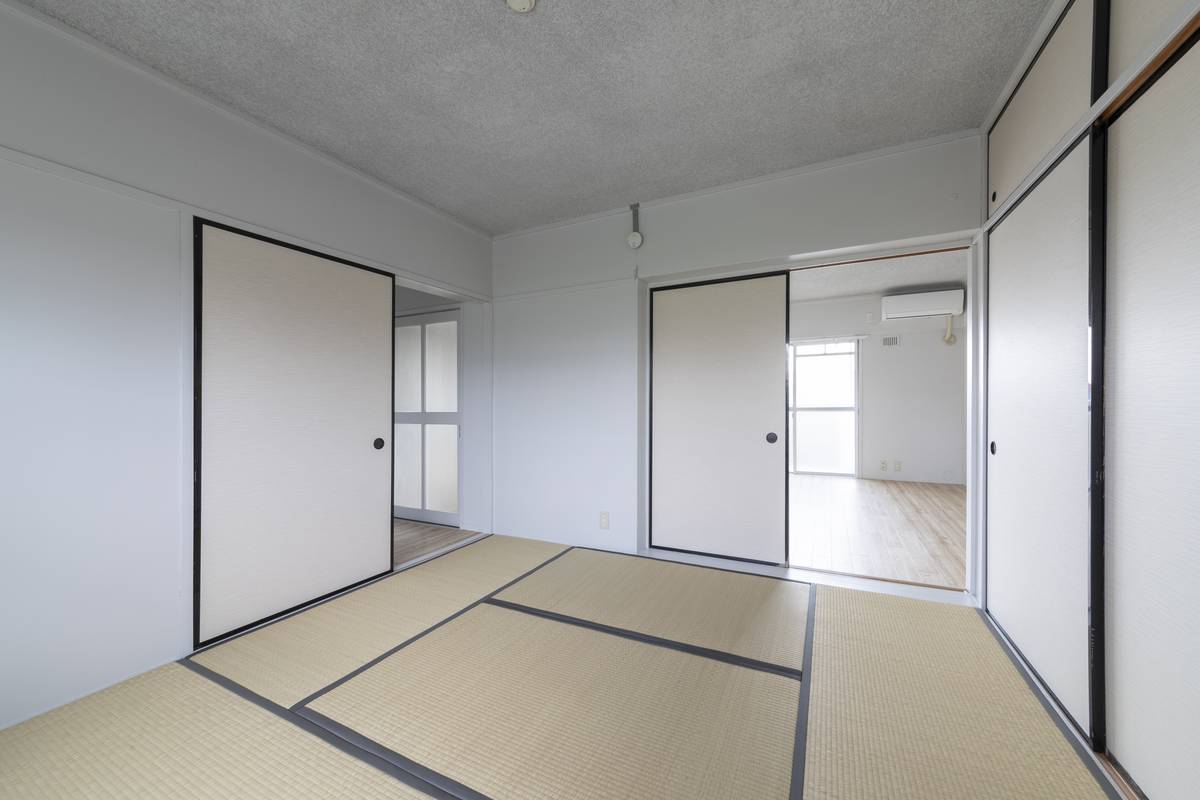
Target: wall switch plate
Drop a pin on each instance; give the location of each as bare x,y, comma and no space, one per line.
897,466
883,465
603,520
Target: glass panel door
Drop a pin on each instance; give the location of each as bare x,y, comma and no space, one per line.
427,418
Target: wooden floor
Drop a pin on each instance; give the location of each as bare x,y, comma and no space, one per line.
896,530
414,539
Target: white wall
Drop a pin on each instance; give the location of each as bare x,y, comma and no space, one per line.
926,189
92,580
912,397
566,422
475,493
568,379
103,164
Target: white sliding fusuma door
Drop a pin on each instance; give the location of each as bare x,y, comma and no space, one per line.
718,458
294,422
1038,469
1152,436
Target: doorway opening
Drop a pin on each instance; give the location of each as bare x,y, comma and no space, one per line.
427,424
878,421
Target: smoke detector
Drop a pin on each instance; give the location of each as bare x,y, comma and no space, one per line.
521,6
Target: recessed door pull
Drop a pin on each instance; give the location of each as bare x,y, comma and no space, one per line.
379,444
772,438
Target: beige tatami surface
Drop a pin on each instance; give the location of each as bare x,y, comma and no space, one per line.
514,706
896,530
170,733
899,699
747,615
290,659
912,700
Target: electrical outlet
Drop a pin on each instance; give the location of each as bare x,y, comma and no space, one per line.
883,465
897,466
603,520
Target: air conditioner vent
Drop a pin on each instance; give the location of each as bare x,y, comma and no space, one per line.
891,341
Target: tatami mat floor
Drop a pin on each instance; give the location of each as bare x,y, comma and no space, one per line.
511,668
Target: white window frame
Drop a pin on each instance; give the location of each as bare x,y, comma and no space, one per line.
794,409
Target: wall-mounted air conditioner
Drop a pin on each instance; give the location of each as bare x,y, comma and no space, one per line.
924,304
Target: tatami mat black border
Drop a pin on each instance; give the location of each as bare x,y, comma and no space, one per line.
662,560
426,632
350,748
1082,750
800,747
447,786
645,638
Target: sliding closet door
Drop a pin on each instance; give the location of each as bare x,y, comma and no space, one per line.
718,457
1053,94
1152,438
294,421
1038,519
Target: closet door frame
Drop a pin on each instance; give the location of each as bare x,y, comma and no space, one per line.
198,225
785,470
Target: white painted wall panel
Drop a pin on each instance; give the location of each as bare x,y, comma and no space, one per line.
1152,456
566,436
91,420
924,190
1055,93
296,373
1038,528
719,379
476,488
1135,25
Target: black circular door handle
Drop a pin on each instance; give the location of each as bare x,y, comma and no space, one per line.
992,447
379,444
772,438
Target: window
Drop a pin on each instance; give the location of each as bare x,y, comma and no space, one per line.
824,407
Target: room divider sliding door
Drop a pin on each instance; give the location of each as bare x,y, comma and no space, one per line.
293,381
718,417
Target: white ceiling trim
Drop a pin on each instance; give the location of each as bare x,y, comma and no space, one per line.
869,155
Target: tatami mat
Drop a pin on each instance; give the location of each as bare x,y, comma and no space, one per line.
913,700
517,706
290,659
748,615
170,733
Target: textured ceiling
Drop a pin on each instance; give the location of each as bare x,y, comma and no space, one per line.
509,121
887,276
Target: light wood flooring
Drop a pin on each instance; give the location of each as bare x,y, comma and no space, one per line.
895,530
414,539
